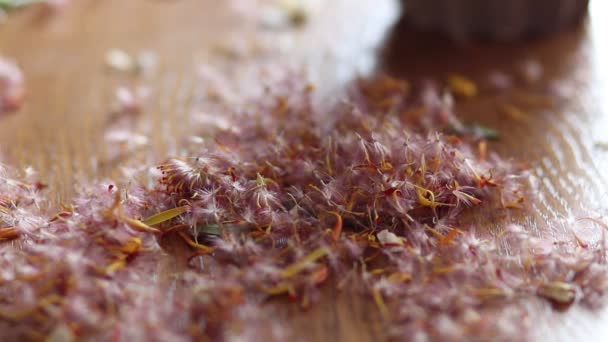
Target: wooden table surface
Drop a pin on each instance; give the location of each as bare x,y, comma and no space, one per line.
60,130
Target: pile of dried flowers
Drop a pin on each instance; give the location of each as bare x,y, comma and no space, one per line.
287,195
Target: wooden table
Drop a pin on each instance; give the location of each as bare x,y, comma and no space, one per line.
60,130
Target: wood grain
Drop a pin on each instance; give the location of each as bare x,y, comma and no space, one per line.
60,130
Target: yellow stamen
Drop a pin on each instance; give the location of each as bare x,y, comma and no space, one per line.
193,243
139,225
380,303
298,266
462,86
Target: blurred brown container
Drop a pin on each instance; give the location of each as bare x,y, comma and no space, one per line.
494,19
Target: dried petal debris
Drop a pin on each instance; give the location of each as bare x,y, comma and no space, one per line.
273,203
12,87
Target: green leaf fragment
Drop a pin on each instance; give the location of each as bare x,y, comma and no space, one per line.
484,132
166,215
476,131
209,229
216,228
7,5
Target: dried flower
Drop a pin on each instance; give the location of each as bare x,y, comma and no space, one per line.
531,70
12,88
500,81
120,60
130,101
558,292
